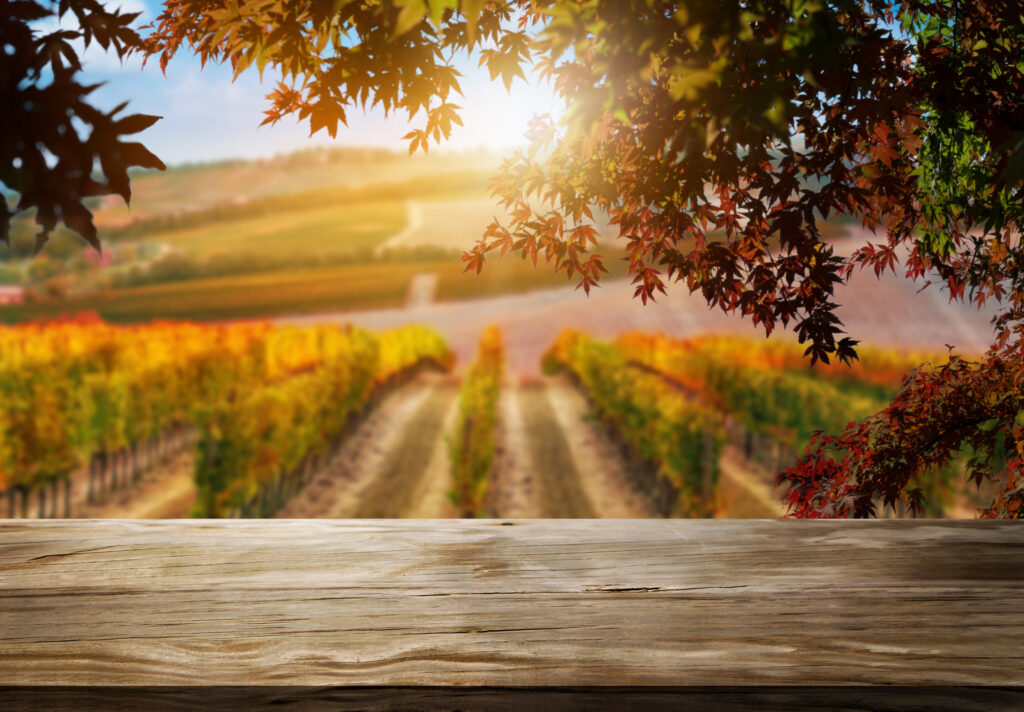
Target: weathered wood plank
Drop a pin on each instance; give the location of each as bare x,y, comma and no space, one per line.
522,603
515,699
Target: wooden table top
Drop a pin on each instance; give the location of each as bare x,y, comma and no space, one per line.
518,603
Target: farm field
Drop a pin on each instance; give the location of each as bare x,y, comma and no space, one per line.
889,311
291,291
188,188
339,242
238,296
325,231
380,252
300,234
256,420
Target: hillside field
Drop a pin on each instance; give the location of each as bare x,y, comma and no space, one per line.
323,231
296,235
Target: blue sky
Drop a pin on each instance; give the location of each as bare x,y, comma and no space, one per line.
209,117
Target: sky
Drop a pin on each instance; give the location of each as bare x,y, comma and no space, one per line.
208,117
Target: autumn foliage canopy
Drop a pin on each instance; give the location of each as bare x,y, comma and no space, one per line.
716,136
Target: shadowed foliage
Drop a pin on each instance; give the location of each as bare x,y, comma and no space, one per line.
56,149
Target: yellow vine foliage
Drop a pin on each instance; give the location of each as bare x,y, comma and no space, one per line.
73,389
472,449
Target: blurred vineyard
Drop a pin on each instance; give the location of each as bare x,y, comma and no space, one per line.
660,394
269,418
260,400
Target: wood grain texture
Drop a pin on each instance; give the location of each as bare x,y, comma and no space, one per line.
514,699
511,603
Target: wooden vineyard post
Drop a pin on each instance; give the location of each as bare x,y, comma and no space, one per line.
115,468
91,486
308,470
707,467
133,456
14,502
102,464
67,495
466,484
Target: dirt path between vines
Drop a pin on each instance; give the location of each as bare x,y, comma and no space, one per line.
553,462
430,499
745,491
406,477
391,465
511,491
603,472
167,492
558,478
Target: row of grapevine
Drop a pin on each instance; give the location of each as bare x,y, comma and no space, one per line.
472,448
883,367
83,391
679,439
257,447
761,383
117,400
771,391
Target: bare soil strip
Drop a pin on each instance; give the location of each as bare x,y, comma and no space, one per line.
337,489
512,491
166,492
602,470
430,500
561,491
403,473
742,493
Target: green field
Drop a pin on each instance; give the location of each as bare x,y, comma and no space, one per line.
201,186
290,291
509,276
328,231
240,296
